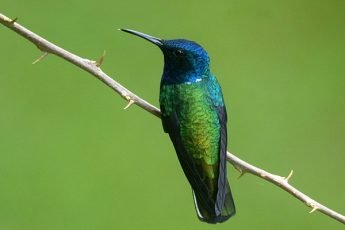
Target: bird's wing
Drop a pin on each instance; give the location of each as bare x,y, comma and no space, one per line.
192,171
222,178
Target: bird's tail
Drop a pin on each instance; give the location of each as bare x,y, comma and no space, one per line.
212,216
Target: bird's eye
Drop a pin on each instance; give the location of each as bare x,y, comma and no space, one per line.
178,53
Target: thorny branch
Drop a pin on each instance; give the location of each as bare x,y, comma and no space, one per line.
93,67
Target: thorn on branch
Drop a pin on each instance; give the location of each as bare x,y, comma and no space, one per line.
101,59
6,20
13,20
240,170
313,206
44,54
129,99
131,102
314,209
241,174
289,176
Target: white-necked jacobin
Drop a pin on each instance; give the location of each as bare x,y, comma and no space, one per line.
194,116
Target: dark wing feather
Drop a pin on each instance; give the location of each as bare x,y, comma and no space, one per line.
225,206
222,159
190,169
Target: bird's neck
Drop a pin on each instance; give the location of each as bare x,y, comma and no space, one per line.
174,76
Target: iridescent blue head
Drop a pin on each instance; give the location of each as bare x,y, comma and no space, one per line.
184,61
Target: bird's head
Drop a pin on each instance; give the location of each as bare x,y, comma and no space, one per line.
184,60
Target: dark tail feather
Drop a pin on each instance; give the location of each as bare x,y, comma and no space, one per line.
229,206
227,211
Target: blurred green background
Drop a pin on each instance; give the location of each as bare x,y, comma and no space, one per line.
72,158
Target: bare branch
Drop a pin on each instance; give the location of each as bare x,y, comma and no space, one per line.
93,67
283,182
85,64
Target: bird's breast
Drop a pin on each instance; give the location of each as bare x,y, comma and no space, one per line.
198,120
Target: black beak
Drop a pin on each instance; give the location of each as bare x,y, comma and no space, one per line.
154,40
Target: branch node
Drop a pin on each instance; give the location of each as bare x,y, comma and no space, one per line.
101,59
263,175
44,54
131,102
289,176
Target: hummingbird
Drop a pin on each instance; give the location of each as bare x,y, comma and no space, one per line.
194,115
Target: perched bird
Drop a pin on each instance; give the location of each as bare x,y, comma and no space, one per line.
194,116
